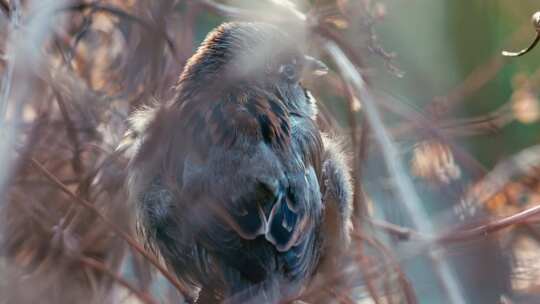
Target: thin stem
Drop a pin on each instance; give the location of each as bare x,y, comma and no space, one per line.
132,243
404,186
99,266
459,234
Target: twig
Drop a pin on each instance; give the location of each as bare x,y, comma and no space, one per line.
132,243
488,228
374,44
359,206
224,10
239,13
518,164
536,24
357,143
350,53
364,267
87,22
472,83
71,133
93,263
402,233
408,291
340,297
96,7
459,234
411,201
97,265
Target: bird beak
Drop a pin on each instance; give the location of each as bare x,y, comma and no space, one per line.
315,66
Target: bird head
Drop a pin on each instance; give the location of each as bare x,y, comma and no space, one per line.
250,53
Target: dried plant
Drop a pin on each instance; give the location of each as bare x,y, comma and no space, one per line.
72,72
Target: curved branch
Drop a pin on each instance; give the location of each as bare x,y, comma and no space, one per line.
525,50
536,24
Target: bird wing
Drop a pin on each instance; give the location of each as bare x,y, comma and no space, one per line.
250,165
229,184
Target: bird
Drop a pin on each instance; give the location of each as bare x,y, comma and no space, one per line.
236,185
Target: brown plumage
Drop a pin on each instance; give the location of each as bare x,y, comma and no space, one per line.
236,186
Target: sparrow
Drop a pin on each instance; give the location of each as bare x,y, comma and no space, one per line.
235,185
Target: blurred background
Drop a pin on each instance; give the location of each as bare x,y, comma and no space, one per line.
464,121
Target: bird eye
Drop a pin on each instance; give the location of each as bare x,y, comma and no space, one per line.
288,70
